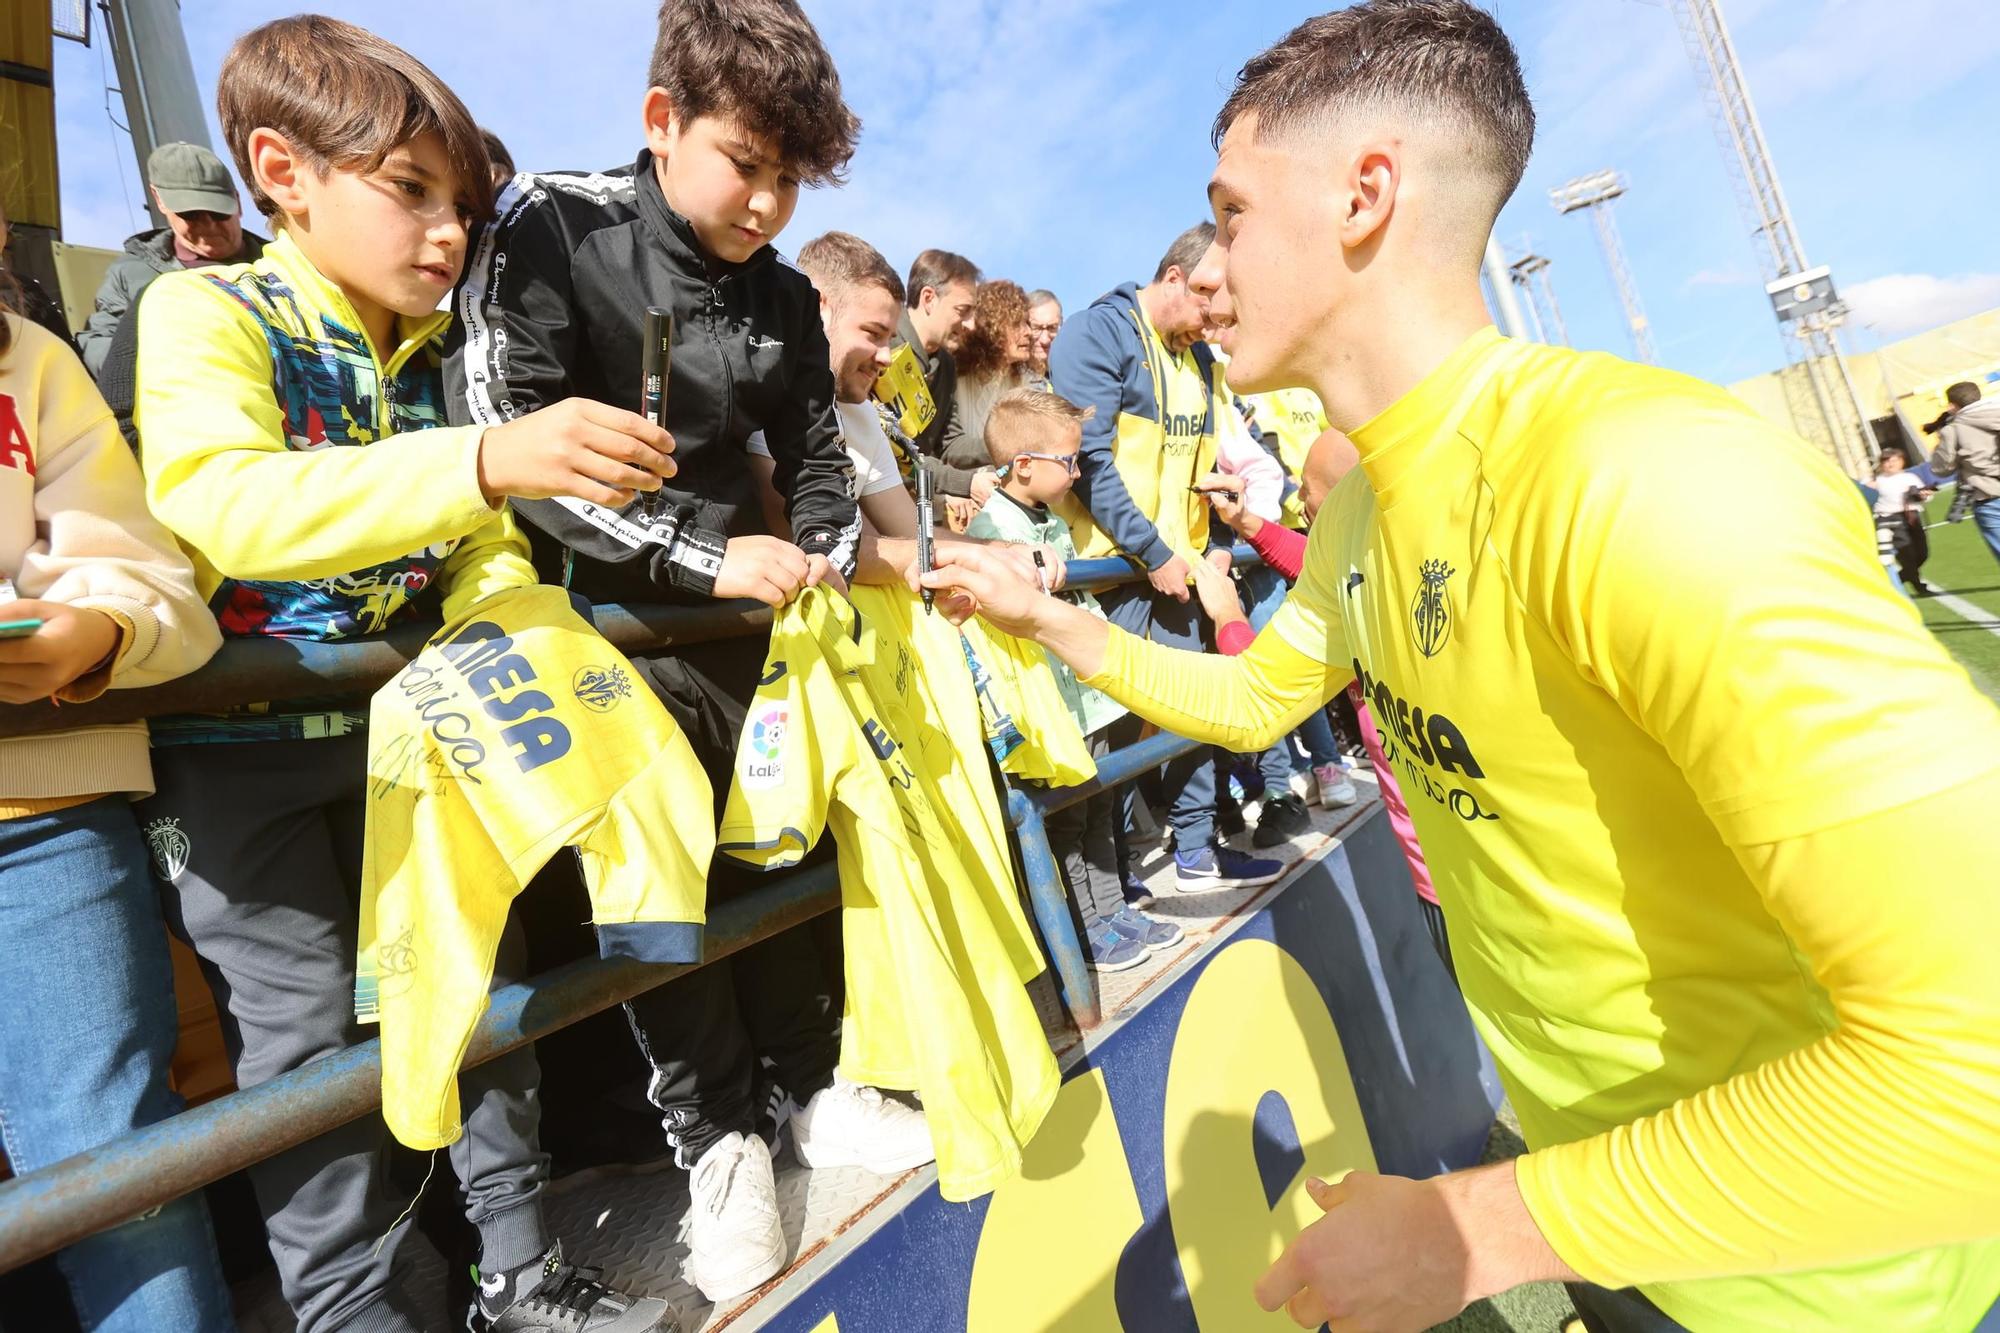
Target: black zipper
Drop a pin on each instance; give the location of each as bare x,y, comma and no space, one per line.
715,307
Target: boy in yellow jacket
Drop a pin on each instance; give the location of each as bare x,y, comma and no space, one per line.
258,387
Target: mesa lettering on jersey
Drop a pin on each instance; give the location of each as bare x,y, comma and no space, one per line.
483,656
1409,734
1183,431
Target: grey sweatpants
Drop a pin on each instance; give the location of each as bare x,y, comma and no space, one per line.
260,845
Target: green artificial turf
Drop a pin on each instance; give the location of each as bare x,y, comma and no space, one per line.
1961,565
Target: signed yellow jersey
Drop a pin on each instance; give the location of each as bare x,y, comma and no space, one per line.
1052,748
843,734
516,732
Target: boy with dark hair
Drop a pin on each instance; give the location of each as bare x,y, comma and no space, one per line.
1899,518
744,107
290,421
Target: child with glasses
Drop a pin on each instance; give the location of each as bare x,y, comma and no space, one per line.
1033,437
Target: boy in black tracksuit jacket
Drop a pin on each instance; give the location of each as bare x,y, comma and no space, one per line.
552,305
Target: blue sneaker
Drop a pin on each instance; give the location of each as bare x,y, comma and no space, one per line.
1152,932
1111,950
1137,895
1209,868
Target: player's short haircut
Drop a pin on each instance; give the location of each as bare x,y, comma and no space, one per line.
342,97
761,64
939,269
1444,64
840,261
1962,394
1027,420
1187,250
1043,296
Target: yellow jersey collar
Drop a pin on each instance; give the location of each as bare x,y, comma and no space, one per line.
1395,438
318,293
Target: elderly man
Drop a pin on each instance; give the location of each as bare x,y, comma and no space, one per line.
1045,316
204,226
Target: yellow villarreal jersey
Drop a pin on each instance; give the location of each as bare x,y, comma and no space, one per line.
845,733
1582,736
516,732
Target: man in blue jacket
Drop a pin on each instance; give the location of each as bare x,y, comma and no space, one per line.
1136,356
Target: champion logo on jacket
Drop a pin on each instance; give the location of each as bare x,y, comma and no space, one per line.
555,292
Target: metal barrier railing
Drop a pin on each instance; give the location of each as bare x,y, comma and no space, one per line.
45,1210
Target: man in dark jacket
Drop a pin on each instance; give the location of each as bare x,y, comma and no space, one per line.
204,226
938,298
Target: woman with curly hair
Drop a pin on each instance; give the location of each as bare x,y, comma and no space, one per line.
992,359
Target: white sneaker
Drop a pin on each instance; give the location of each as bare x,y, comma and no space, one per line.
1335,789
848,1124
1302,787
735,1241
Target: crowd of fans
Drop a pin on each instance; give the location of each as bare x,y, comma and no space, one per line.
477,330
426,392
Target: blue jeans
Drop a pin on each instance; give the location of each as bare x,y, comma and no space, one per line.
1189,781
1986,514
91,1024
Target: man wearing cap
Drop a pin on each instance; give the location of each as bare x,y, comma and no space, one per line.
204,226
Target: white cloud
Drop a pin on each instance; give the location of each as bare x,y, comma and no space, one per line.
1718,277
1900,303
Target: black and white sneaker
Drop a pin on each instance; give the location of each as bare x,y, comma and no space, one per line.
550,1296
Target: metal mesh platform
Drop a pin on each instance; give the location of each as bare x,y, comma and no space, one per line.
627,1220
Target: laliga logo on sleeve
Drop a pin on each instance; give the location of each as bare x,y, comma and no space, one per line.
601,689
764,757
1430,614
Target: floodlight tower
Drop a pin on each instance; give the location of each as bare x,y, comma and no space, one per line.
1817,385
1596,193
1531,274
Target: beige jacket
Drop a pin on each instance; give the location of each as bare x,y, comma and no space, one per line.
1969,449
74,528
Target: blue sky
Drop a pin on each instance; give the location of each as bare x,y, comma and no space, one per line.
1063,143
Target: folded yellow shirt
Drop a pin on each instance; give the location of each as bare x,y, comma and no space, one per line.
843,735
516,732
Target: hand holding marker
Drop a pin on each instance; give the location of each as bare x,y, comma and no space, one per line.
656,361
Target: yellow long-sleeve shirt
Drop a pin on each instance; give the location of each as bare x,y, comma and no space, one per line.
253,380
1664,744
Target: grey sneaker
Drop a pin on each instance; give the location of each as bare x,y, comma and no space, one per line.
1150,931
551,1296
